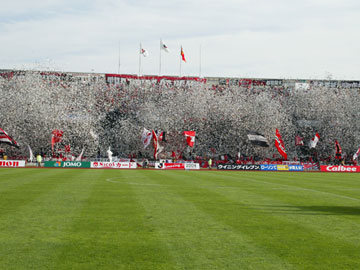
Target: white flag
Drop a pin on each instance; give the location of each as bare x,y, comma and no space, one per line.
146,137
144,52
80,156
356,154
32,157
313,142
163,46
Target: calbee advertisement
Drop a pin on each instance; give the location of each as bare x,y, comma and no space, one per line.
332,168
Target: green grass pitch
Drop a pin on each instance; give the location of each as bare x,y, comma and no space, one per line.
147,219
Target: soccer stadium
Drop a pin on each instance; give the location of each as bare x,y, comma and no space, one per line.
119,171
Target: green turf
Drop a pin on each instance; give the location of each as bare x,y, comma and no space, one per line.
146,219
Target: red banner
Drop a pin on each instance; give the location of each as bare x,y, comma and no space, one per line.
333,168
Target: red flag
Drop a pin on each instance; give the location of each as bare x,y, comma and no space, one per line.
155,144
190,137
298,140
56,137
279,144
338,150
182,55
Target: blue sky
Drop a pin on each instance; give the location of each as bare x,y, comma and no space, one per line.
239,38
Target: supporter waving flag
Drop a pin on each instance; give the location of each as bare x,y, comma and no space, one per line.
155,144
314,141
356,154
190,137
5,138
338,150
146,137
279,144
56,137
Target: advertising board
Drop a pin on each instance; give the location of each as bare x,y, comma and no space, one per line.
12,163
296,168
268,167
169,166
239,167
192,166
336,168
282,167
67,164
113,165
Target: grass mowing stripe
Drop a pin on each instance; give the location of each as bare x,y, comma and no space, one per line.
331,185
112,231
26,188
333,216
288,185
195,238
31,235
292,242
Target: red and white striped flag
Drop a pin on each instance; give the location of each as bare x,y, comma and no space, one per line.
314,141
279,144
5,138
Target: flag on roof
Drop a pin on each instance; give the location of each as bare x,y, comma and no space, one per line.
144,52
182,54
163,46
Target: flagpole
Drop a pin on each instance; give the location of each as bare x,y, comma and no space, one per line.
139,61
200,63
119,60
160,59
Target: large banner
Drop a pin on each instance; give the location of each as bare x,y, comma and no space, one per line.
239,167
113,165
333,168
67,164
12,163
